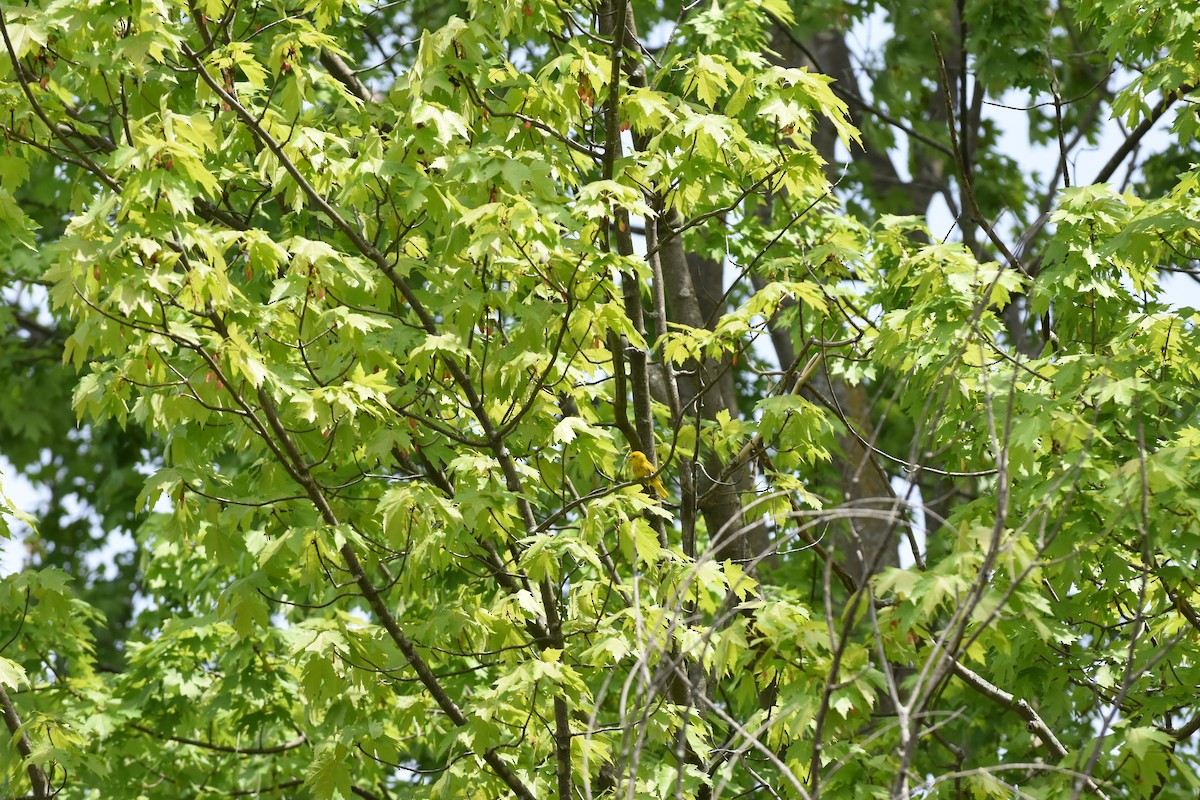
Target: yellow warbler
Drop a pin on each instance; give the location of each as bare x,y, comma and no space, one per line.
642,468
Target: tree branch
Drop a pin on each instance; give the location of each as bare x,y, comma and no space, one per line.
41,785
220,748
1021,708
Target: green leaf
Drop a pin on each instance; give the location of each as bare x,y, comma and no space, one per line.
12,674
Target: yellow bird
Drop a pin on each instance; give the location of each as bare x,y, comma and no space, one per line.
643,469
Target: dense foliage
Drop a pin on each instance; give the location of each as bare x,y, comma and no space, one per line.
352,315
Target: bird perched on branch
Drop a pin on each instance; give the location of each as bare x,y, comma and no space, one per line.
643,470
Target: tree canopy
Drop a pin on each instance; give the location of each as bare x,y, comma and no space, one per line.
528,399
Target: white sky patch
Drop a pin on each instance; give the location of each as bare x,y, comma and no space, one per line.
27,497
24,496
911,494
